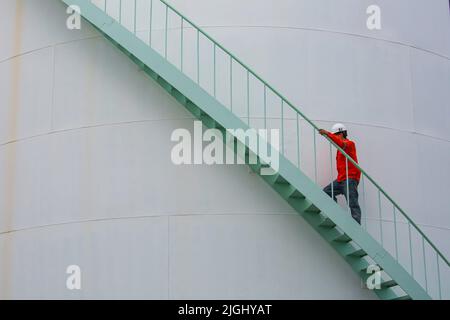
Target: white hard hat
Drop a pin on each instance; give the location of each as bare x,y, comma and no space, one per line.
338,127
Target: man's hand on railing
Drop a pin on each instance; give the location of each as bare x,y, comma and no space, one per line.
323,132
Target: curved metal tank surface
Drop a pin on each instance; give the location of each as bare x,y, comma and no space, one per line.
85,171
389,86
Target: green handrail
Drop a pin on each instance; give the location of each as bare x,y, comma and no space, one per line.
285,102
391,200
310,122
238,61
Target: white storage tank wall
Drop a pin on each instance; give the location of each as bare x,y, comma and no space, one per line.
391,87
64,106
86,179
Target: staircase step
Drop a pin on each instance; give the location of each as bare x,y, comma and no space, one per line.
404,297
327,223
303,205
390,294
250,155
343,238
196,111
347,249
385,284
312,209
330,234
179,96
272,180
297,195
141,65
285,190
358,253
255,167
389,284
163,83
281,180
221,129
207,120
151,73
357,264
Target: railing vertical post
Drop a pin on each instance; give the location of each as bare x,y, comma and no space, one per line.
410,249
248,98
166,32
315,155
331,172
298,141
105,5
150,24
182,44
231,83
395,233
215,48
265,107
347,183
364,201
424,263
135,17
439,275
380,217
198,57
282,126
120,11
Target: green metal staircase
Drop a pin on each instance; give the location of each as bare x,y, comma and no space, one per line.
400,277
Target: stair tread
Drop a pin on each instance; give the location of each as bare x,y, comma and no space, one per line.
404,297
343,238
389,284
391,294
358,253
297,194
281,180
327,223
358,264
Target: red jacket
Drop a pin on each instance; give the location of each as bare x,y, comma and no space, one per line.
341,161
